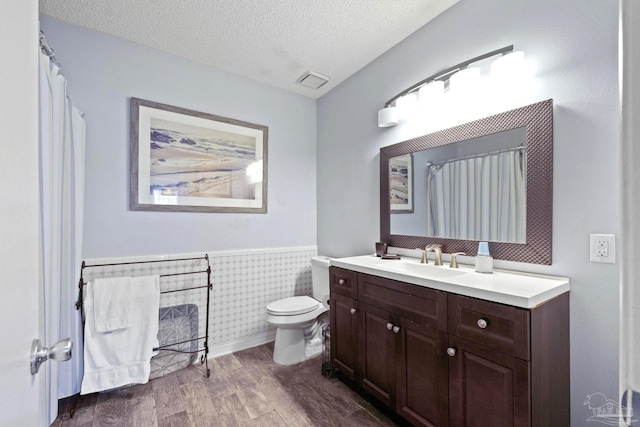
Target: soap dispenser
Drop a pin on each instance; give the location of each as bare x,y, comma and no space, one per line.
484,260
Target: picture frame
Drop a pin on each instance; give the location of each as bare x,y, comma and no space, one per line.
401,184
189,161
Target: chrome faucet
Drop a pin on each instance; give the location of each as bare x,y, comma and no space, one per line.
437,249
424,256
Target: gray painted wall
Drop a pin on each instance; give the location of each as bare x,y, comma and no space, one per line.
572,48
104,72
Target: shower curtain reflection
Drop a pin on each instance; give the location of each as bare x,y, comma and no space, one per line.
478,198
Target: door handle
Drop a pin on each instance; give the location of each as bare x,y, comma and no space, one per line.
60,352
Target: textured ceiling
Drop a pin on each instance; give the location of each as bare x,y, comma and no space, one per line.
271,41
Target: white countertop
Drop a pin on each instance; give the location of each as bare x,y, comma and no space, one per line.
524,290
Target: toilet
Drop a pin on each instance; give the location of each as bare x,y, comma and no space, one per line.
299,319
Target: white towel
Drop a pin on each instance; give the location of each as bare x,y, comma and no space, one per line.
120,357
112,308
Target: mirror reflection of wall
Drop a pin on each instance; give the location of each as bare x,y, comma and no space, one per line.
449,208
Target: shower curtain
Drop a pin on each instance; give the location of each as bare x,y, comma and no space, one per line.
62,151
479,198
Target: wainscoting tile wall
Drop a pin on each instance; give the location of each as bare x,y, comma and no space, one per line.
244,282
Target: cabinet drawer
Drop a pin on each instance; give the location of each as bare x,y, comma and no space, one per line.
343,282
501,327
422,305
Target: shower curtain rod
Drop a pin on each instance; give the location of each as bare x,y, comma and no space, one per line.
442,162
48,50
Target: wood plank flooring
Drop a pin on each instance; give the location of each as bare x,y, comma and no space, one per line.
245,389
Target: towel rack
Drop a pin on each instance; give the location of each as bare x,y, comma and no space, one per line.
195,269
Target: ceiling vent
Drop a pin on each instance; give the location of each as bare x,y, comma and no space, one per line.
313,80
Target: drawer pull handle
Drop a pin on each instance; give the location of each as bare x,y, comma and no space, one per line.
396,329
389,326
482,323
341,282
451,351
353,311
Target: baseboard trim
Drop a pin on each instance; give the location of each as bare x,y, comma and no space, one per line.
242,344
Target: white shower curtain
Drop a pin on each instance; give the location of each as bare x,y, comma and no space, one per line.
479,198
62,149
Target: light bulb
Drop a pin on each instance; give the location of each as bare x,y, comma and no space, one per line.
465,80
508,67
431,93
387,117
407,105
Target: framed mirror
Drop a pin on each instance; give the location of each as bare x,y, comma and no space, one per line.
526,134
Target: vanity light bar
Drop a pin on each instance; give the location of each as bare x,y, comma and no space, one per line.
387,116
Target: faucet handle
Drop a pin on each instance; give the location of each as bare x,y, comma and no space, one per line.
454,259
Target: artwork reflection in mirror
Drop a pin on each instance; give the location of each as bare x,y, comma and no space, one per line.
470,190
401,184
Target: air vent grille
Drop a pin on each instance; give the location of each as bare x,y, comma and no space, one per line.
312,80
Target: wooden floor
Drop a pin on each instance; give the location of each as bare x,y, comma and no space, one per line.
245,389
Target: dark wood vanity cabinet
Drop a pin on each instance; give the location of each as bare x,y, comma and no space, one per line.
441,359
401,364
402,343
512,360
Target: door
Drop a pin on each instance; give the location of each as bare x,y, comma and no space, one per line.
422,374
487,387
377,364
344,335
22,395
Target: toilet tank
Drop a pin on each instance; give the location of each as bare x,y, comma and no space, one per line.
320,278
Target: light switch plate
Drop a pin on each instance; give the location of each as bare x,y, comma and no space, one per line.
602,248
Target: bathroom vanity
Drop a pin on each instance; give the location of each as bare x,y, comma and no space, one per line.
452,347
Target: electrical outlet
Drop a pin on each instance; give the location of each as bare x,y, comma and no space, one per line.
602,248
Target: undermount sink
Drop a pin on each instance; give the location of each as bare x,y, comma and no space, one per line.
422,270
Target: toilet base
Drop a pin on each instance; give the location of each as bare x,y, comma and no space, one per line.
295,345
289,347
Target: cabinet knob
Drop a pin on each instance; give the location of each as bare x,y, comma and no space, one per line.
353,311
451,351
389,326
341,282
396,329
482,323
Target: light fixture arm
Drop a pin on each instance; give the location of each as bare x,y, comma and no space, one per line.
444,74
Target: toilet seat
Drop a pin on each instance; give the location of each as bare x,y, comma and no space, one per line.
292,306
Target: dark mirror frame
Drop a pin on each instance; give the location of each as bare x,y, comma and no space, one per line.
538,121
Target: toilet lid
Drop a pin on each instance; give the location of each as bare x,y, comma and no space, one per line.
292,306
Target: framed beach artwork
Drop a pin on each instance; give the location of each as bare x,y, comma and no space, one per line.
188,161
401,184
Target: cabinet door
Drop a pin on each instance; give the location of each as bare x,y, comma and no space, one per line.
344,335
422,374
487,387
377,353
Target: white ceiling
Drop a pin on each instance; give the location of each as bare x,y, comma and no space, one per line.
270,41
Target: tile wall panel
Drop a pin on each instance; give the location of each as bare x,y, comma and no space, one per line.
244,282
